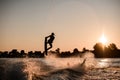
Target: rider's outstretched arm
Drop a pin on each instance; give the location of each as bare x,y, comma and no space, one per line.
47,36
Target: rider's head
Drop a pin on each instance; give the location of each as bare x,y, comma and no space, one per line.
52,34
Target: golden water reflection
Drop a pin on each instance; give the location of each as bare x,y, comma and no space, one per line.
103,63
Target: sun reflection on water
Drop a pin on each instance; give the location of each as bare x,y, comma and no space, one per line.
104,63
105,60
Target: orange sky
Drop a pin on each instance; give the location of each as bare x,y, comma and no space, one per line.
76,23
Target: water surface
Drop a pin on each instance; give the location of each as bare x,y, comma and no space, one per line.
51,68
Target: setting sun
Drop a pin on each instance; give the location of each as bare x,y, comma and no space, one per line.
103,39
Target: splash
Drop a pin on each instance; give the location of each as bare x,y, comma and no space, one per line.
64,73
90,60
52,68
51,55
35,67
88,55
30,69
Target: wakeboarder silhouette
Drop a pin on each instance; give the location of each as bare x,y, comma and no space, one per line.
49,40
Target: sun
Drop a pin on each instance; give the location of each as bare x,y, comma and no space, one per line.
103,39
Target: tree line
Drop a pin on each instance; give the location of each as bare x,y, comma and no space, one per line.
99,50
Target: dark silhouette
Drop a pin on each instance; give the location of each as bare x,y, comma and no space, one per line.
84,50
14,53
36,54
4,54
75,50
66,54
22,53
49,40
101,51
57,50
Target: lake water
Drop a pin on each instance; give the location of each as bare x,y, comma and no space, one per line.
51,68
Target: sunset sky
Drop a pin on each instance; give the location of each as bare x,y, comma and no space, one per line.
76,23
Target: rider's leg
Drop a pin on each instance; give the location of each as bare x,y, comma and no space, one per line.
50,46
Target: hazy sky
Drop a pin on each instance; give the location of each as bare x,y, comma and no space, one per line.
76,23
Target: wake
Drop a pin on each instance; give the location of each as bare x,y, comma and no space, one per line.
46,68
73,73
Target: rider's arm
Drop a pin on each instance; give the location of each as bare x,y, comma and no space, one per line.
47,36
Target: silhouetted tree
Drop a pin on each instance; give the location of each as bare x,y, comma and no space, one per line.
75,50
64,54
112,46
38,54
58,50
22,53
0,54
30,54
14,53
99,50
4,54
113,50
85,50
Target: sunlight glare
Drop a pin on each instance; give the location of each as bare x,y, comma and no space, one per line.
103,39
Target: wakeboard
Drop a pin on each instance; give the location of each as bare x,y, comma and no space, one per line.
45,46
